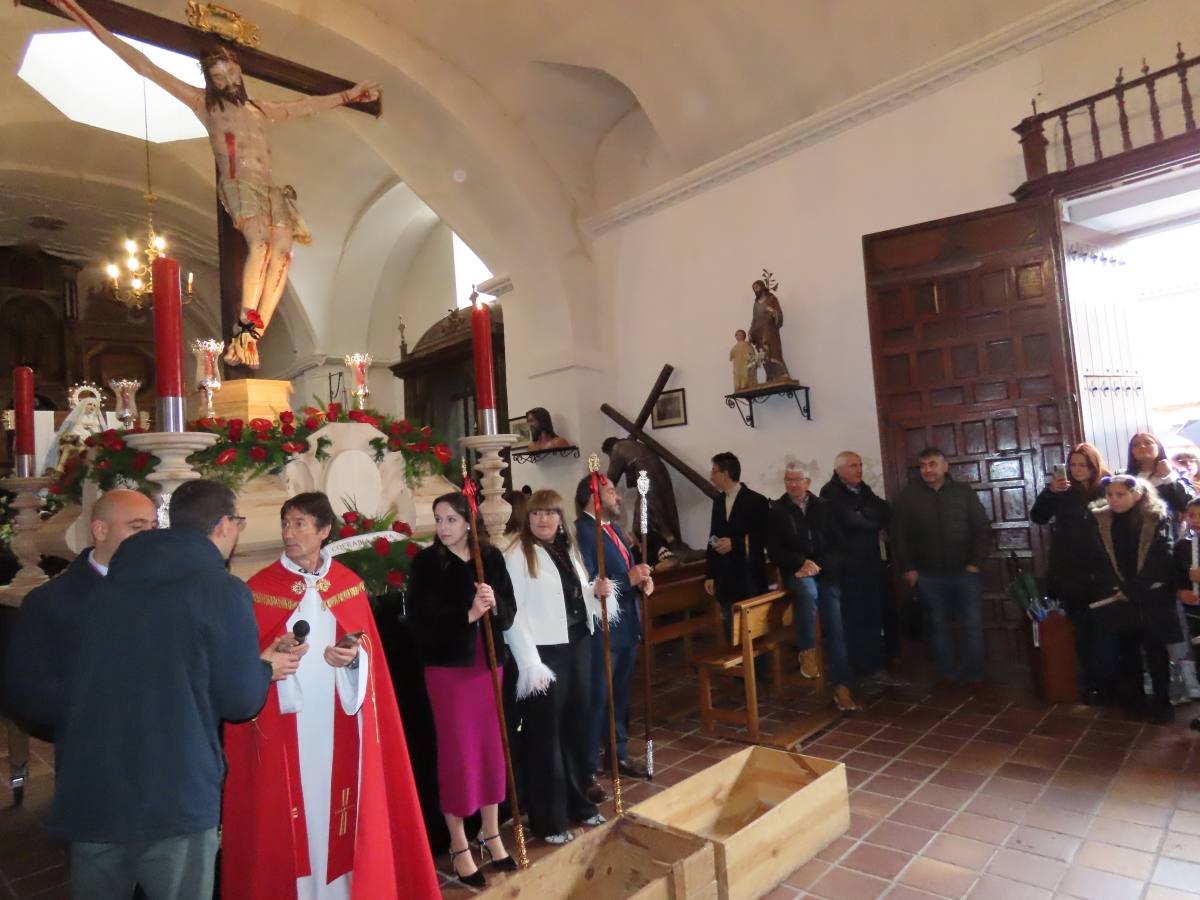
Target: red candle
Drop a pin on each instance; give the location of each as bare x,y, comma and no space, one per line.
23,410
168,343
168,328
485,389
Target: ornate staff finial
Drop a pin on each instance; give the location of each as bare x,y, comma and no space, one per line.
643,488
593,463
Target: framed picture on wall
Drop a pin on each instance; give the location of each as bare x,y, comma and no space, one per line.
670,410
519,426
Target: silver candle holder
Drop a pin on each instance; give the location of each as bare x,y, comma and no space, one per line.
358,364
208,375
125,390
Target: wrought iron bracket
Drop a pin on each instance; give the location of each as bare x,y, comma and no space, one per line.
524,456
743,401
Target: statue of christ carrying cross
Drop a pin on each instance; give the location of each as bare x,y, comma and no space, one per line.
265,213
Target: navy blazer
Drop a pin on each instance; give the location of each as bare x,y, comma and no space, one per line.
626,631
744,568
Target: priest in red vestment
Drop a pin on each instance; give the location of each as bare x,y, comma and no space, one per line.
320,802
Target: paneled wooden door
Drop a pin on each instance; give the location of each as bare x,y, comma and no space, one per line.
971,354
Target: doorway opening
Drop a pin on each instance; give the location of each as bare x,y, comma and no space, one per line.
1133,288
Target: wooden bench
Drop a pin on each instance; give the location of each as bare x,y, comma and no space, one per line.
688,612
761,625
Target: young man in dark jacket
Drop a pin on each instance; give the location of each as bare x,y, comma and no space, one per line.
804,542
860,516
735,566
941,535
169,649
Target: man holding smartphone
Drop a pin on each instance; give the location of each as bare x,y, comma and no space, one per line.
320,799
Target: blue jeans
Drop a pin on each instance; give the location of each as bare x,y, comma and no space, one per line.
950,597
623,659
809,595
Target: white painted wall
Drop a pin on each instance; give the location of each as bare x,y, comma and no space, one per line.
676,283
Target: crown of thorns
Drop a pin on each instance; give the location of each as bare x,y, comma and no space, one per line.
216,55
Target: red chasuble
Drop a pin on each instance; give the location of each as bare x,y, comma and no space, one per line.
377,833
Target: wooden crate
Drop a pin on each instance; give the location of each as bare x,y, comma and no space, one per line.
767,812
627,857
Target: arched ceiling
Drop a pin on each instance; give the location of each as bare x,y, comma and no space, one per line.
500,117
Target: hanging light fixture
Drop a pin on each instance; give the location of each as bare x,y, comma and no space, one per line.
131,281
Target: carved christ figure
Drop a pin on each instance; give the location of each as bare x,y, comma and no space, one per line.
262,211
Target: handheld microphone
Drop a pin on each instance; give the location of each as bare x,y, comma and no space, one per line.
300,630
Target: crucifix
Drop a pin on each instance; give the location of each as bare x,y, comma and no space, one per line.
343,811
637,431
257,220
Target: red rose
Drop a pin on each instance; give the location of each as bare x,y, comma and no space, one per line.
204,424
443,453
253,318
226,457
394,578
405,427
89,442
422,446
401,527
346,531
370,420
312,423
394,427
108,433
287,417
57,489
394,444
288,430
312,411
103,464
260,425
293,447
258,454
235,429
333,411
350,516
367,525
411,549
382,546
355,415
236,423
140,461
426,431
262,436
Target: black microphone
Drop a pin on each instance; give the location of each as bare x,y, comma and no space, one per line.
300,630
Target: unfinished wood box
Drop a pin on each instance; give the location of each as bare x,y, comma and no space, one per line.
252,398
627,857
767,812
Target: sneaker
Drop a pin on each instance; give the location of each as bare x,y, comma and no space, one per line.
808,664
597,819
563,837
843,699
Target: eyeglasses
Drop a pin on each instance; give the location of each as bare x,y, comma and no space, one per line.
240,520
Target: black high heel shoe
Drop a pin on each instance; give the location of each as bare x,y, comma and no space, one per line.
476,879
505,863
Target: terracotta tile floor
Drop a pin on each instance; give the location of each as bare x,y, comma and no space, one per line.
950,797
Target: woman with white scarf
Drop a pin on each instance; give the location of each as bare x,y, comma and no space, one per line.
557,609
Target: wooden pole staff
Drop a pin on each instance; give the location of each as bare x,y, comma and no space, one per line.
497,695
643,487
594,468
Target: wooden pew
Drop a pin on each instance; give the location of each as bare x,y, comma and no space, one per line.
679,608
761,625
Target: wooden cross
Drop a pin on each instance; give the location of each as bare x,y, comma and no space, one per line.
144,26
637,427
343,811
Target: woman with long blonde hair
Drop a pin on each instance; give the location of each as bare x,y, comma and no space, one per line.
550,643
1136,598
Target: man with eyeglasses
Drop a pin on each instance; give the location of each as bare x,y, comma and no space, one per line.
168,650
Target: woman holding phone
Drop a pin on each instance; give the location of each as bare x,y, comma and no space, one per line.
1064,503
446,606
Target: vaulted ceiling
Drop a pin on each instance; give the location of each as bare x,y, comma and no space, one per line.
513,121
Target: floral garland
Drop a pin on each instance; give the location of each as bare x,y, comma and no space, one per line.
245,450
384,565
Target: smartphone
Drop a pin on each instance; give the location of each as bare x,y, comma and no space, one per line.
349,640
1060,470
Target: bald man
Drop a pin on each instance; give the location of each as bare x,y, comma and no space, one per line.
46,636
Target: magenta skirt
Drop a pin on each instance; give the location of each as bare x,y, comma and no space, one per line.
469,753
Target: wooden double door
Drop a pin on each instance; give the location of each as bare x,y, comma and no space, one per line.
971,354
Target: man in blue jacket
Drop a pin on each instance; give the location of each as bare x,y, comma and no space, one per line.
169,649
624,625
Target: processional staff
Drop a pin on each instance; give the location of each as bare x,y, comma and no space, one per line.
596,481
643,488
468,490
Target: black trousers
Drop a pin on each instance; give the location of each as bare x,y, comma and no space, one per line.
1130,691
862,620
554,739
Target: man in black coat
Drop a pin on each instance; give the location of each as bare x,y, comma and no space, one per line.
169,649
860,516
735,564
804,541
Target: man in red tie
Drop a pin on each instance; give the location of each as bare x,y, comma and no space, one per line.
624,625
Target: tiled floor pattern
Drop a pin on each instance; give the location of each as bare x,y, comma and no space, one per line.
950,797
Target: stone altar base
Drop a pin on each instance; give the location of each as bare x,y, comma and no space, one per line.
252,398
